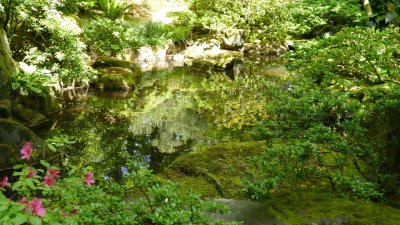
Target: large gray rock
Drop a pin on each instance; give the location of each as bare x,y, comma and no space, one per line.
115,78
216,59
5,87
233,40
27,116
249,212
13,136
104,61
5,108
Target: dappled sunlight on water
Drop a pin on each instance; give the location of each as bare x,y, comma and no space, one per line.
168,113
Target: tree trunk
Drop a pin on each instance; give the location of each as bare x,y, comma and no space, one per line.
7,66
367,8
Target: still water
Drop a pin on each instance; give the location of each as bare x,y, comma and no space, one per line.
169,113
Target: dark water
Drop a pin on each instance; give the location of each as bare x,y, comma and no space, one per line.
169,113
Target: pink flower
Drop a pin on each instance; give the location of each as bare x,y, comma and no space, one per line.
89,178
35,205
50,181
4,182
31,173
24,201
26,150
53,172
37,208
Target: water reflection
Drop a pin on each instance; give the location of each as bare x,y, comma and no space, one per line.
169,112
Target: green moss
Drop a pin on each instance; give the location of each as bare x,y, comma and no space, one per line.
215,171
104,61
12,136
116,78
305,206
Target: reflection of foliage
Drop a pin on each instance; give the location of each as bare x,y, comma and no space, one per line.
168,117
170,112
234,104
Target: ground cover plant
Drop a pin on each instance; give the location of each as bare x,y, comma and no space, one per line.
43,194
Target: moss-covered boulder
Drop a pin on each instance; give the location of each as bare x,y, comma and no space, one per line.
5,86
27,116
13,136
104,61
319,206
115,78
45,104
215,171
216,59
5,108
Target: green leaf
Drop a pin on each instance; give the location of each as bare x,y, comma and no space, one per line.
3,206
23,92
73,170
2,197
20,219
36,90
44,163
35,220
51,147
18,166
15,85
29,182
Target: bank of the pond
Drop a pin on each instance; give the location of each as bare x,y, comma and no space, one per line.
215,171
218,171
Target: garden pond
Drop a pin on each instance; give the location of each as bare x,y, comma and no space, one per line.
169,112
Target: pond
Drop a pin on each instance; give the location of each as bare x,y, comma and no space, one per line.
170,112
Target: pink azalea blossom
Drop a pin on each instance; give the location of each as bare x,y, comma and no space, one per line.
37,208
26,150
31,173
35,205
26,202
4,182
53,172
50,181
89,178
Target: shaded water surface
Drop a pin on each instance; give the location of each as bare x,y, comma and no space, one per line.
169,113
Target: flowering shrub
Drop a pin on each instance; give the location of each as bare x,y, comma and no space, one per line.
42,194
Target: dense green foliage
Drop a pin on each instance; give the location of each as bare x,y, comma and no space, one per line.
108,37
64,198
338,122
42,36
335,122
312,18
277,20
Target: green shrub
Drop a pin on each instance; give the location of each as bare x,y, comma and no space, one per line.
109,37
47,39
312,18
46,195
113,9
337,121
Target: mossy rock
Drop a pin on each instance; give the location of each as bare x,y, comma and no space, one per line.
104,61
5,86
215,171
219,60
116,78
13,136
319,205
